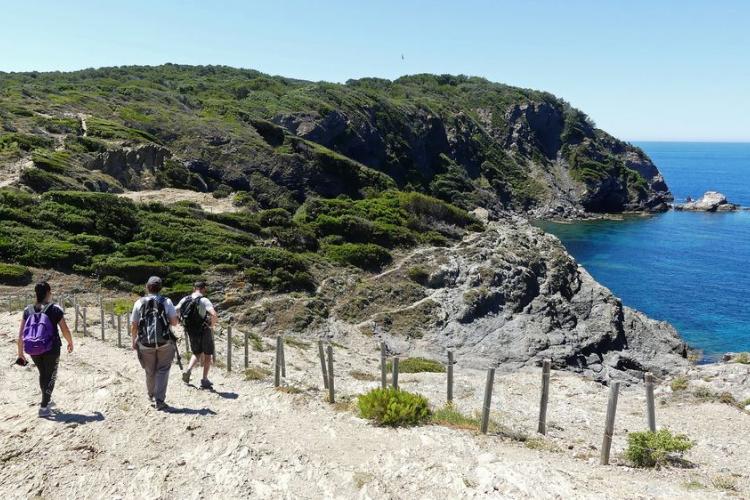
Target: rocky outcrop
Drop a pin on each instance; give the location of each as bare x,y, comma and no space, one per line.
510,297
711,201
135,167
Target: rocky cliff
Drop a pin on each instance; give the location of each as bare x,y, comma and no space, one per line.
507,297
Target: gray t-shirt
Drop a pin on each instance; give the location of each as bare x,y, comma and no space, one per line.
135,317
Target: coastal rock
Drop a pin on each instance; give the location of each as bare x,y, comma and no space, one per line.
514,297
711,201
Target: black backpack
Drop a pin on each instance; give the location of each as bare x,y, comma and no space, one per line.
153,328
190,315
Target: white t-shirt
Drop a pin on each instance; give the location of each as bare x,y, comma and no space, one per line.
204,305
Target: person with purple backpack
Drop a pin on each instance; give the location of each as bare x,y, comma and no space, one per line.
39,336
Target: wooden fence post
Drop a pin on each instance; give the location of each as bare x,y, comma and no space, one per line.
112,318
322,356
77,313
394,373
10,304
609,424
449,397
487,400
247,356
546,366
277,367
229,348
83,320
119,331
283,357
101,315
383,371
331,393
650,406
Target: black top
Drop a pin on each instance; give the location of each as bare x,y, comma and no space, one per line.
55,314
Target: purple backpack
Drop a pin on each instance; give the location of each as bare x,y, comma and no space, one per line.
38,332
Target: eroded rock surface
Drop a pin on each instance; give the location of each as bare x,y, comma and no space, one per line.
510,297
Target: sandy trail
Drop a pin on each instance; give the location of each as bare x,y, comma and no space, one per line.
172,195
247,439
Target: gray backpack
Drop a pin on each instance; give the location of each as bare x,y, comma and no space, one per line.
153,328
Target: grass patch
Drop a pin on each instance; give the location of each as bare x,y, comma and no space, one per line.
256,373
449,416
360,375
290,389
394,408
652,449
296,343
417,365
725,483
679,384
256,342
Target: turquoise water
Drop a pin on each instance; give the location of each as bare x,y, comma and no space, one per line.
691,269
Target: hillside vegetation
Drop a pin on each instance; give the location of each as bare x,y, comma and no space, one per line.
461,139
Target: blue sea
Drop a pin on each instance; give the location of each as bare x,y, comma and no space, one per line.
691,269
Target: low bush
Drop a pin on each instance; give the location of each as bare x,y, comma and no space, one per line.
650,449
366,256
679,384
418,274
418,365
392,407
743,357
12,274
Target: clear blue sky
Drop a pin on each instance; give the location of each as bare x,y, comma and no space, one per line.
658,69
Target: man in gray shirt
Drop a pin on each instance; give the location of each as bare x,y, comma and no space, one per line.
152,339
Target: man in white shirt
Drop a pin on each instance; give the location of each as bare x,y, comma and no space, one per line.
199,318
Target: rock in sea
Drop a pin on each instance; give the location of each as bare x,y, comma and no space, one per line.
711,201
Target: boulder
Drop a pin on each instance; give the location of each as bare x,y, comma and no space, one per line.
711,201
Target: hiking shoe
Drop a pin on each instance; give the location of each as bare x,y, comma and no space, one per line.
186,376
206,384
160,405
44,411
51,404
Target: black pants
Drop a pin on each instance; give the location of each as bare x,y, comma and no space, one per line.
47,365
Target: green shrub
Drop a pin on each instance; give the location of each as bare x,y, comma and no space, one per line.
26,142
12,274
649,449
97,244
366,256
114,216
418,365
393,407
418,274
743,357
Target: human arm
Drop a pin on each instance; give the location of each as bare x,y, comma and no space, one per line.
135,317
21,355
66,333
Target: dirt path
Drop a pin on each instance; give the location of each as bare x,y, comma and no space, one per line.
173,195
247,439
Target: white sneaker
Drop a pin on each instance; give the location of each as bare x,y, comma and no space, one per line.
44,411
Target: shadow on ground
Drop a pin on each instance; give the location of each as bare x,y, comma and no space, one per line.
76,418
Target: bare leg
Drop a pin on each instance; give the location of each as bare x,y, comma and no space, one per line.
206,365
